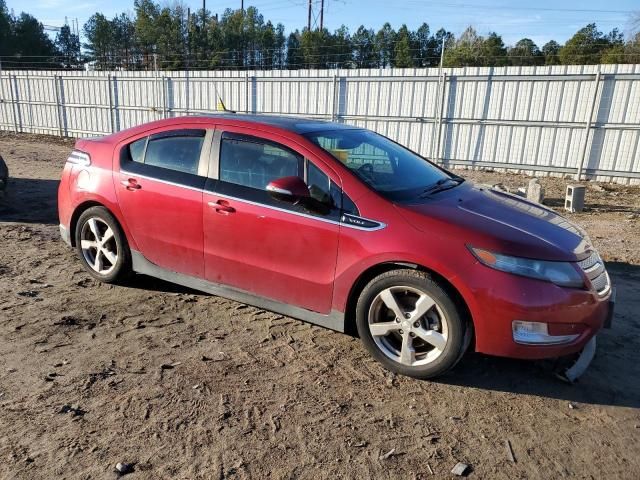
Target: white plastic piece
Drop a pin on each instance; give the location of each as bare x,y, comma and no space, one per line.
582,363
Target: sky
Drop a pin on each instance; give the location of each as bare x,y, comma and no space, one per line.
542,20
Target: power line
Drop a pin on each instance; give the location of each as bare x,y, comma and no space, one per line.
511,7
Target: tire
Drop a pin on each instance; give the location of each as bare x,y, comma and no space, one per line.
432,324
106,256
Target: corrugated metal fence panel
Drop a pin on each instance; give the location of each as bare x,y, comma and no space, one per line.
85,105
528,118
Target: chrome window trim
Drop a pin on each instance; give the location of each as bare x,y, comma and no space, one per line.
380,225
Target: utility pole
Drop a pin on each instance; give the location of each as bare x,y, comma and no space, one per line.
242,5
188,45
309,16
321,14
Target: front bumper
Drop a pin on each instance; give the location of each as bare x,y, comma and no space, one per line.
64,233
499,299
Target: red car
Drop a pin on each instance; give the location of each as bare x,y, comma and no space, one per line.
338,226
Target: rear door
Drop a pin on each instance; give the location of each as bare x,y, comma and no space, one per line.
159,190
261,245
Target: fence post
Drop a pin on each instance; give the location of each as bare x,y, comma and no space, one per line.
62,124
110,103
585,140
57,94
2,99
438,157
246,91
165,94
14,106
187,91
333,99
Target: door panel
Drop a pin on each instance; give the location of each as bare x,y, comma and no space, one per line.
272,253
256,243
163,206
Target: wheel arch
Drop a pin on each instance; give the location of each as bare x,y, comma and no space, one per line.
375,270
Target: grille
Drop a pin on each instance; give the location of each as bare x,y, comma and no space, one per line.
593,267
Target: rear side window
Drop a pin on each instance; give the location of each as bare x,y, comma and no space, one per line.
178,151
253,163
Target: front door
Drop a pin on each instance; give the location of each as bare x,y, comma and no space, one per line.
262,245
159,190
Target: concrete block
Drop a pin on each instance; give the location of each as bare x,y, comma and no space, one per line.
574,198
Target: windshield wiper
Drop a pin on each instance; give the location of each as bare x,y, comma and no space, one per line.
441,185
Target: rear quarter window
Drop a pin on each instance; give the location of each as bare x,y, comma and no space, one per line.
136,150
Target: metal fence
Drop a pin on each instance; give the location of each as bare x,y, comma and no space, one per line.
557,120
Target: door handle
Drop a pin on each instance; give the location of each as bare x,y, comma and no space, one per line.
131,184
222,207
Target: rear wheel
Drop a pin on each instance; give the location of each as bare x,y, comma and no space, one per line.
410,324
102,246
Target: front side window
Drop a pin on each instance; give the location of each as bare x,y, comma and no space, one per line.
388,168
247,164
253,163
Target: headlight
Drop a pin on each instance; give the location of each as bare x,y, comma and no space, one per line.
560,273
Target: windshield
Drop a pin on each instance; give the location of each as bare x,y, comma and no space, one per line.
388,168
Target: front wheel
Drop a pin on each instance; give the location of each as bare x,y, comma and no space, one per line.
102,246
410,324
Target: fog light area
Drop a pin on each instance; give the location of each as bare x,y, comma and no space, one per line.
537,333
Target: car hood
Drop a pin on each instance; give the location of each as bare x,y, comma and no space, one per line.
496,220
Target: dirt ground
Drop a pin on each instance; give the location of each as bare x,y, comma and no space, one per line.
185,385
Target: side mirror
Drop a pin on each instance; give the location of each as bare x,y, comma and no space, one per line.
288,189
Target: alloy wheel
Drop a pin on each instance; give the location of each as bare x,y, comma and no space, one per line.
98,245
408,326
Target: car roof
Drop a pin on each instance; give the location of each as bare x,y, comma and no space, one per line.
298,125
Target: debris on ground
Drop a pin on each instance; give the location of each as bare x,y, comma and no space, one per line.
74,410
28,293
169,366
510,456
461,469
124,468
390,453
360,444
